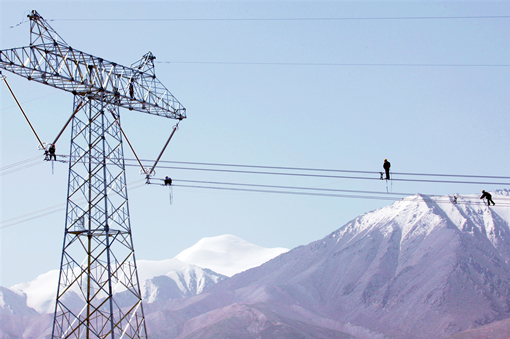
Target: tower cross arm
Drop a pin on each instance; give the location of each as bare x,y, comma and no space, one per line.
59,65
51,61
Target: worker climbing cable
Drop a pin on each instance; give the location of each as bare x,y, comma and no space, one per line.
487,196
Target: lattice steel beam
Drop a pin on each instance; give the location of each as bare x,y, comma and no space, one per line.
51,61
98,297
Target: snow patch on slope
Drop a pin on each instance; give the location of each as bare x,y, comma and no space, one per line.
41,291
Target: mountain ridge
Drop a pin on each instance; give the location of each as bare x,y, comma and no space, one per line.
163,280
445,263
422,267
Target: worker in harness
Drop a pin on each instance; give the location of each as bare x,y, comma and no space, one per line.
51,152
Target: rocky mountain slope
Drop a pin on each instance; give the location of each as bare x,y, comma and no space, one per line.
423,267
496,330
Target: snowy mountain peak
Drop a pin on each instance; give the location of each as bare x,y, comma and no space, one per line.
419,215
162,280
228,254
423,267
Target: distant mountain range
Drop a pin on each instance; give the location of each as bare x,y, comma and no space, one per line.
163,280
423,267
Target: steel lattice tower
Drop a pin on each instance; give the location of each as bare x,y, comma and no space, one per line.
98,230
98,293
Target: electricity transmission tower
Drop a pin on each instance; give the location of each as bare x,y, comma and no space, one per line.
98,293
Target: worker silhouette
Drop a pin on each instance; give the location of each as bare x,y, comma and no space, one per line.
487,196
168,181
131,90
386,167
51,152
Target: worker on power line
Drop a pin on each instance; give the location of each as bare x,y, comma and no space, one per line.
51,152
168,181
487,196
386,167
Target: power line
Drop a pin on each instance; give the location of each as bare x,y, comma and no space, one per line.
270,189
291,187
286,192
51,210
325,192
329,190
318,169
21,168
224,168
26,215
25,218
19,163
12,168
329,64
316,194
259,166
266,189
245,187
26,101
491,17
324,175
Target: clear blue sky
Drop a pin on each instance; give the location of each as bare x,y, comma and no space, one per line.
343,91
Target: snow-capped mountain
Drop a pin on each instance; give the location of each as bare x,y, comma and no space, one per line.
160,281
172,279
228,254
423,267
166,279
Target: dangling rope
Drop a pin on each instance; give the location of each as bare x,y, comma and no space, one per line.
22,111
391,182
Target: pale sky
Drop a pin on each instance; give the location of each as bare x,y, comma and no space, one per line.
324,85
